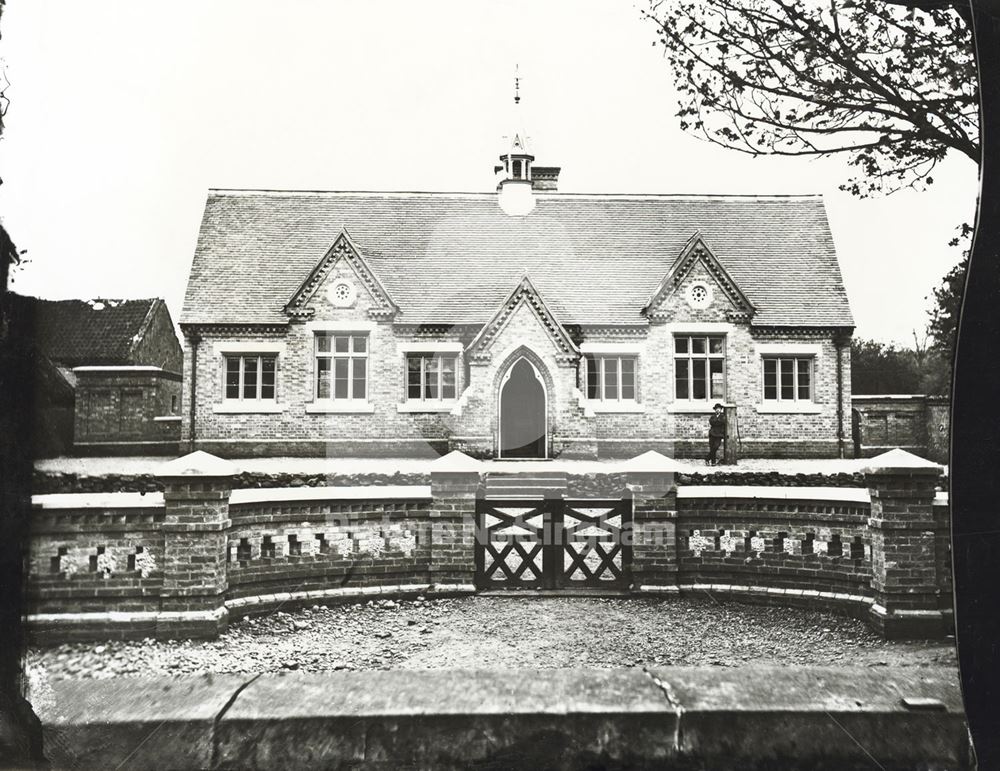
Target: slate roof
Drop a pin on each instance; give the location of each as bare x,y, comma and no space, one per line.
453,257
100,332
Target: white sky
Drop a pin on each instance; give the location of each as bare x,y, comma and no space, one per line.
123,113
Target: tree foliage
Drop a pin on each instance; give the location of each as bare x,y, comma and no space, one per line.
877,368
891,87
943,324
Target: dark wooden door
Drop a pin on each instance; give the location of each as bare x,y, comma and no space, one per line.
522,414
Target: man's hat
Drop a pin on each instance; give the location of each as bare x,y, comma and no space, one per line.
717,406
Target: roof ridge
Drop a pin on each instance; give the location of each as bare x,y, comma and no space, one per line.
88,300
278,192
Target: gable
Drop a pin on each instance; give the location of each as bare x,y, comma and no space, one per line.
156,344
341,279
522,316
698,288
697,297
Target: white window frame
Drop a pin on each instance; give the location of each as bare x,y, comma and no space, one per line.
615,350
242,358
690,404
438,350
600,359
332,403
242,350
790,350
797,360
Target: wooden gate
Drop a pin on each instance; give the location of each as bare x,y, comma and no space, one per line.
553,543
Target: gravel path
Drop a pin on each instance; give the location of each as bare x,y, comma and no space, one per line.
502,632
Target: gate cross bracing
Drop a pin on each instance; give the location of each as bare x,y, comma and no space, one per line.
554,543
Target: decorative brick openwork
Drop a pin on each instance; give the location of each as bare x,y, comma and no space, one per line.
883,554
181,563
326,543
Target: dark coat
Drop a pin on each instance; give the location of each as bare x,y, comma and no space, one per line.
717,425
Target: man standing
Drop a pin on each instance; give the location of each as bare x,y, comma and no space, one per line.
716,433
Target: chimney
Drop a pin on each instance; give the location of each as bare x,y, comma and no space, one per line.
545,178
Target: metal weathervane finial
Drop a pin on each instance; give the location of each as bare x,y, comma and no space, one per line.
517,87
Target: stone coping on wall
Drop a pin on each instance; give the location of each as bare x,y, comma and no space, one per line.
97,501
328,493
92,369
690,717
246,496
848,494
423,492
890,397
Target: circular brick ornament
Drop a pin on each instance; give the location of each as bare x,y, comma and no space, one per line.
699,295
342,293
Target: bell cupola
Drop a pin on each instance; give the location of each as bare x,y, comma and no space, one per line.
514,171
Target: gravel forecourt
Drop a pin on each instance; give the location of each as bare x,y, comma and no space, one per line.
501,633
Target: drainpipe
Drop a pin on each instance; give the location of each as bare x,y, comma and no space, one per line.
838,342
195,338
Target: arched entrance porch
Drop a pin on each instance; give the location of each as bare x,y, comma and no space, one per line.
522,413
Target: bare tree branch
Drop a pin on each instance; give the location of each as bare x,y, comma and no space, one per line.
891,87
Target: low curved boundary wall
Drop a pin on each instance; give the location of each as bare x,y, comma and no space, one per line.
777,542
186,561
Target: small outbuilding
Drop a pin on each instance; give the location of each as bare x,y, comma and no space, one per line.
111,375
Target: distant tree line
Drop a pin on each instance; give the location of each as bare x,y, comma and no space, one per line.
880,368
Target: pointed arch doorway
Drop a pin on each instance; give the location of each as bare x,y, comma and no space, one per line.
523,431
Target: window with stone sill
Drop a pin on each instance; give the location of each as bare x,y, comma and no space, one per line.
611,378
250,377
341,367
788,379
699,367
431,378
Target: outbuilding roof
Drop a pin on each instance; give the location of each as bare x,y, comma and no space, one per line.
452,258
77,332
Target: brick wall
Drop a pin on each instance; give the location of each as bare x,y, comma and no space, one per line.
476,428
804,544
914,422
886,558
323,544
938,428
383,430
575,429
158,346
682,432
126,411
183,562
86,559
